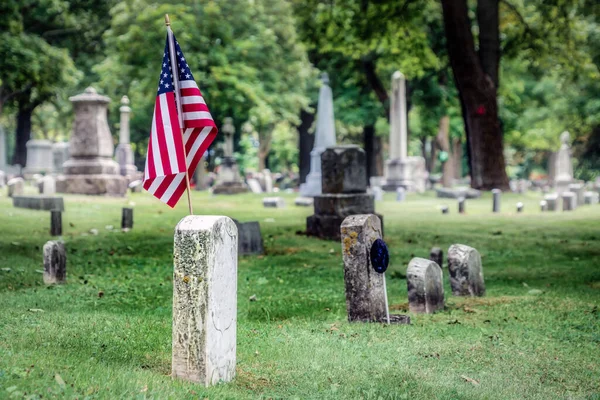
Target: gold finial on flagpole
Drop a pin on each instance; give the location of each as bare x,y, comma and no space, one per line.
167,20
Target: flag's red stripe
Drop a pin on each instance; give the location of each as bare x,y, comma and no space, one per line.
190,92
198,123
163,150
162,188
177,194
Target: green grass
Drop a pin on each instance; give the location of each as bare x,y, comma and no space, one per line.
294,341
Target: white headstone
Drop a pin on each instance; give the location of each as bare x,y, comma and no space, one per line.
254,185
268,181
47,185
205,299
324,137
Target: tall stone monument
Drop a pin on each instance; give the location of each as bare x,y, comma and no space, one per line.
90,168
228,179
40,158
324,137
401,170
124,153
344,183
563,167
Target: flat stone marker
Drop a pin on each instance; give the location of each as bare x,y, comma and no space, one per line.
425,286
543,205
46,203
15,187
445,209
519,207
273,202
250,239
304,201
496,193
55,263
365,288
569,201
205,299
461,205
55,222
552,201
591,197
127,219
466,273
437,255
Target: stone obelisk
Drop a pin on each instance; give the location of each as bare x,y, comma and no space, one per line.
90,168
124,153
324,137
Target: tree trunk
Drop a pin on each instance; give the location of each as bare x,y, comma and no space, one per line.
477,92
23,134
264,146
372,145
430,158
457,157
306,143
444,144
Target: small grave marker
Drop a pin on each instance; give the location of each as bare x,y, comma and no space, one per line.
55,263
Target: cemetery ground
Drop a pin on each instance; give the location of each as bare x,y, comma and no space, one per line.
107,332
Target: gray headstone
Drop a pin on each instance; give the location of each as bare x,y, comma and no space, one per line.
346,166
569,201
496,193
136,186
437,255
365,288
205,299
400,194
425,286
46,203
127,219
461,205
543,205
250,239
591,197
47,185
466,272
55,223
273,202
467,193
16,186
254,185
579,190
304,201
552,201
377,193
55,263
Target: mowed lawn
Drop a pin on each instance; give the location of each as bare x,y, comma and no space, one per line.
107,333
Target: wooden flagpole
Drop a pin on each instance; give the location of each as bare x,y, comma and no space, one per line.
175,72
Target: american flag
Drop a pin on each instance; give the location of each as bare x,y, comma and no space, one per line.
166,160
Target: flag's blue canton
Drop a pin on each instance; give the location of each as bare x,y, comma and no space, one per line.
184,70
165,82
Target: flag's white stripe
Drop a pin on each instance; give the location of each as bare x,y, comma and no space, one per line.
155,184
171,189
197,144
187,84
192,100
196,115
169,134
158,167
186,135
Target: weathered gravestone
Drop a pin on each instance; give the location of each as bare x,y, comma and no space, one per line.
254,185
448,193
569,201
55,222
46,203
400,194
496,193
461,205
366,299
466,273
273,202
552,201
579,190
591,197
40,158
250,239
47,185
15,187
205,299
55,263
344,191
425,286
304,201
127,219
124,152
543,205
437,255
